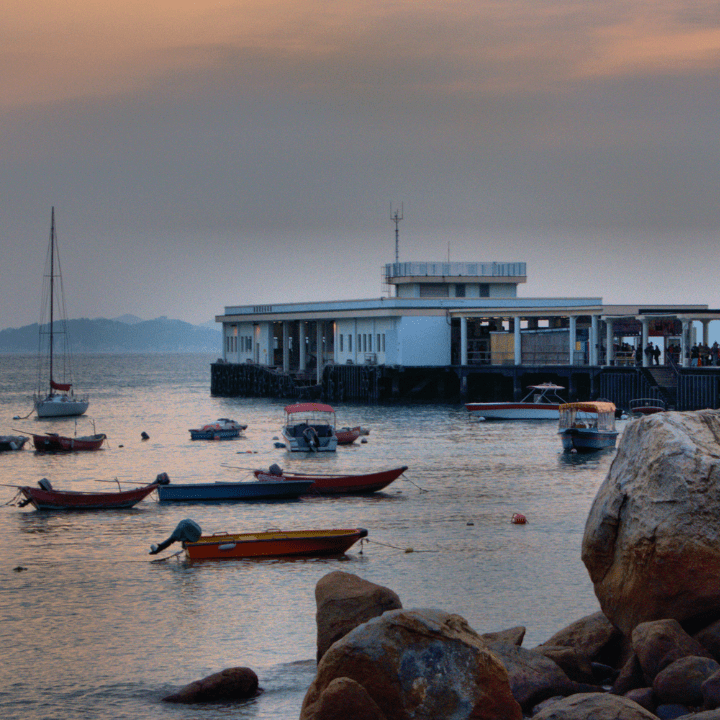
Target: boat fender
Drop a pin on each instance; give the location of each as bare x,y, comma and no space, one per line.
186,531
519,519
45,485
275,469
162,479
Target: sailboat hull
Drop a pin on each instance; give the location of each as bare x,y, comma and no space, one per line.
60,406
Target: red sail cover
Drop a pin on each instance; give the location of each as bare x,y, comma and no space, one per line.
64,387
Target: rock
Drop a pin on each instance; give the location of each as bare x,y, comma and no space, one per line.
598,706
238,683
705,715
672,711
345,601
344,698
631,677
645,697
511,636
711,691
650,542
659,643
534,677
681,681
573,664
709,638
418,664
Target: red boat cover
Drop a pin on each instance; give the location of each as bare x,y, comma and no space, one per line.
65,387
308,407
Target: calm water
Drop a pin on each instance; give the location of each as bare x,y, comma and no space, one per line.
93,628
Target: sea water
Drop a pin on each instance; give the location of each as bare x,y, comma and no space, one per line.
92,626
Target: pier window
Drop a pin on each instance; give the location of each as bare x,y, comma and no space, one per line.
341,342
349,343
378,342
369,342
359,343
383,342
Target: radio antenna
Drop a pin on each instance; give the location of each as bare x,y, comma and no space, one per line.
396,217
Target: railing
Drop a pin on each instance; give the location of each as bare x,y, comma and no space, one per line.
456,269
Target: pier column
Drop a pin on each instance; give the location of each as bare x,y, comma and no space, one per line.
706,332
573,336
593,351
286,346
517,339
318,342
303,347
609,342
685,343
646,360
463,341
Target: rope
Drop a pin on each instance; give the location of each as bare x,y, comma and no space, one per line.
395,547
407,479
25,417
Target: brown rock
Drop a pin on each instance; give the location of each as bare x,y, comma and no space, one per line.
650,542
711,691
344,699
573,664
681,681
418,664
238,683
598,706
709,638
661,642
630,678
645,697
593,637
345,601
511,636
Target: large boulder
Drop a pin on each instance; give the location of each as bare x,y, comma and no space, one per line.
418,664
345,601
344,698
598,706
238,683
651,538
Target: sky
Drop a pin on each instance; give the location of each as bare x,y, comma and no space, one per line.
204,153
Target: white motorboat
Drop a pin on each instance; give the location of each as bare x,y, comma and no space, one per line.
310,427
541,403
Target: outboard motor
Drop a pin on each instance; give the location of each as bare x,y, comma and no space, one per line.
275,469
311,438
162,479
186,531
45,485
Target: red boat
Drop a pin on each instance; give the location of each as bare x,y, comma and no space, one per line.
52,442
46,497
340,484
347,436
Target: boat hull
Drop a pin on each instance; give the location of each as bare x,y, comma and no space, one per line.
299,443
342,484
232,492
293,543
587,440
514,411
72,500
60,406
60,443
214,434
12,442
347,437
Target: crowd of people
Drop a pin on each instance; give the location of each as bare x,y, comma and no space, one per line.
699,355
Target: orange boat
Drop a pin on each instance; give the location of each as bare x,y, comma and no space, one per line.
339,484
267,544
52,442
46,497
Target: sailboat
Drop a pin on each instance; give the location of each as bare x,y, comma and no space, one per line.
54,355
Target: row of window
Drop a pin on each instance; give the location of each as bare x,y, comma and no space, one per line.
231,343
364,342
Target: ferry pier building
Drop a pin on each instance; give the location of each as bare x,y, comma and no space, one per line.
460,331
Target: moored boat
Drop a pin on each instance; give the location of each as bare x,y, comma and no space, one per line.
52,442
12,442
221,429
340,484
646,406
45,497
310,427
266,544
276,489
347,436
541,403
587,426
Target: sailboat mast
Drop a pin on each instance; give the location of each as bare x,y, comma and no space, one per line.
52,289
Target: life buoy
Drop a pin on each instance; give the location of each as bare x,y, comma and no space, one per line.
519,519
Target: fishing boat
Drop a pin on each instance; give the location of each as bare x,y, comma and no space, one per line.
541,403
310,427
275,489
339,484
52,442
267,544
12,442
346,435
59,400
587,426
221,429
646,406
45,497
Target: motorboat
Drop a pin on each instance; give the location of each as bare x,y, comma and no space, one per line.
310,427
347,436
587,426
338,484
59,400
45,497
265,544
646,406
12,442
52,442
274,489
541,403
221,429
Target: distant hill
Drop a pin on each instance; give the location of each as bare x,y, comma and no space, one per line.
122,336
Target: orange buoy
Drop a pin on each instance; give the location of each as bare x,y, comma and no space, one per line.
519,519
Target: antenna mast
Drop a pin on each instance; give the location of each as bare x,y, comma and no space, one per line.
396,217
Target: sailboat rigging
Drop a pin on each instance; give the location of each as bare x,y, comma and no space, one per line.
60,400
